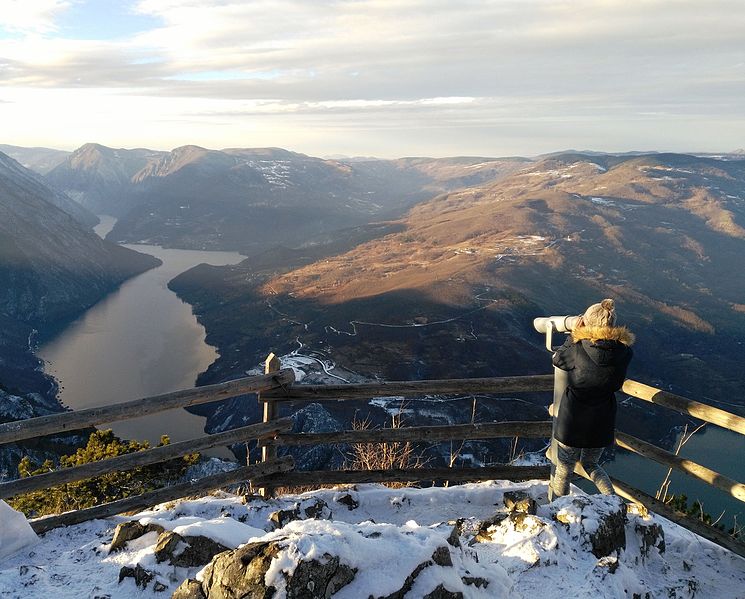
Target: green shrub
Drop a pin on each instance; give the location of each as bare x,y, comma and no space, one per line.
101,489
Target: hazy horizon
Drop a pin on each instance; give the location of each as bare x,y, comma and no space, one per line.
375,78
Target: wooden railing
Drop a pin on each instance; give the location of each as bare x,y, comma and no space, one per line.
277,386
70,421
491,430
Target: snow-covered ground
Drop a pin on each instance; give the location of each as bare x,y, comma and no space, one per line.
385,535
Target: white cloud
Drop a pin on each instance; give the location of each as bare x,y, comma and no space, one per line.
391,68
30,16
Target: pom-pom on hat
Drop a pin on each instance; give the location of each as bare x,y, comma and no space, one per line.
600,315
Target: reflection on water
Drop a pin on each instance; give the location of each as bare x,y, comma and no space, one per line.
141,340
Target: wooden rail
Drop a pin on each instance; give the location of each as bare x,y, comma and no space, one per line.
684,405
702,473
276,386
346,477
510,384
70,421
143,458
430,434
146,500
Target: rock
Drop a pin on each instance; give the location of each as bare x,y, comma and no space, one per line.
347,500
608,562
476,581
441,557
519,501
142,577
650,535
441,592
128,531
186,552
282,517
189,589
598,520
454,537
524,522
317,510
240,574
159,587
483,534
313,579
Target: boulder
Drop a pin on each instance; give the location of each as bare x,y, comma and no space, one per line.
186,552
240,574
142,577
190,589
597,521
128,531
650,536
519,501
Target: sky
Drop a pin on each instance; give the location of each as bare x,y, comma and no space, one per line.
383,78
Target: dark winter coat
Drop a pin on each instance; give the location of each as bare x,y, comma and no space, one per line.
595,359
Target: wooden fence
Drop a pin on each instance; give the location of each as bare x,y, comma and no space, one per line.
277,386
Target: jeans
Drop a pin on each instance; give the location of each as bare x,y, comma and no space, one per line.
567,458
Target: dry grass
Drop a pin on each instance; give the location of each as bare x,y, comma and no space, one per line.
383,456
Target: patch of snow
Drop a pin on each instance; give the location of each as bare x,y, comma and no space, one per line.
386,536
15,532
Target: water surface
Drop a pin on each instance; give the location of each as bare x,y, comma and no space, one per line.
140,340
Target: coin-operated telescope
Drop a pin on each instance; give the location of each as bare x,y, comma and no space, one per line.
548,325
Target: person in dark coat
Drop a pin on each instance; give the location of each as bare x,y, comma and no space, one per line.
595,356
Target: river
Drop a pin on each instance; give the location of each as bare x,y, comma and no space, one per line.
138,341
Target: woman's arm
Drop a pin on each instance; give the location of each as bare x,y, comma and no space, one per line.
564,356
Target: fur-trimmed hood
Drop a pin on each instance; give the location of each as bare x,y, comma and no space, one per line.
620,334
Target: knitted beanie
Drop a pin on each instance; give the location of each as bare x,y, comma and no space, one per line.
600,315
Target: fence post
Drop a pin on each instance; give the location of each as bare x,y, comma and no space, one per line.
269,452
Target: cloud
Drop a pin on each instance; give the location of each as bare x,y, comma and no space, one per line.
417,63
37,16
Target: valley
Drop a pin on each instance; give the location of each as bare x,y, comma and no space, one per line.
427,268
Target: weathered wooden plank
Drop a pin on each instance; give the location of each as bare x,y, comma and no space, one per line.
70,421
510,384
479,430
141,502
724,483
341,477
142,458
654,505
684,405
412,388
271,412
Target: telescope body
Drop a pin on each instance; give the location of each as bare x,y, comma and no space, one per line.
560,324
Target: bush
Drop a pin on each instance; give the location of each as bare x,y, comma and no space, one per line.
101,489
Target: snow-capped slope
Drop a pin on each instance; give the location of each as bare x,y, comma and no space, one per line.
453,542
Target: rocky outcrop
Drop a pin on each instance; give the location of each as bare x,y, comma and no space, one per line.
599,523
240,574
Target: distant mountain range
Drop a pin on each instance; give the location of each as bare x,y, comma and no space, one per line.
40,160
246,199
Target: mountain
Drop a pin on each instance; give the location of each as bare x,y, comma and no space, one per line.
248,199
454,291
51,266
34,184
245,199
39,160
100,178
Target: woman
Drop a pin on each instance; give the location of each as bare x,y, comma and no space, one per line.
595,356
